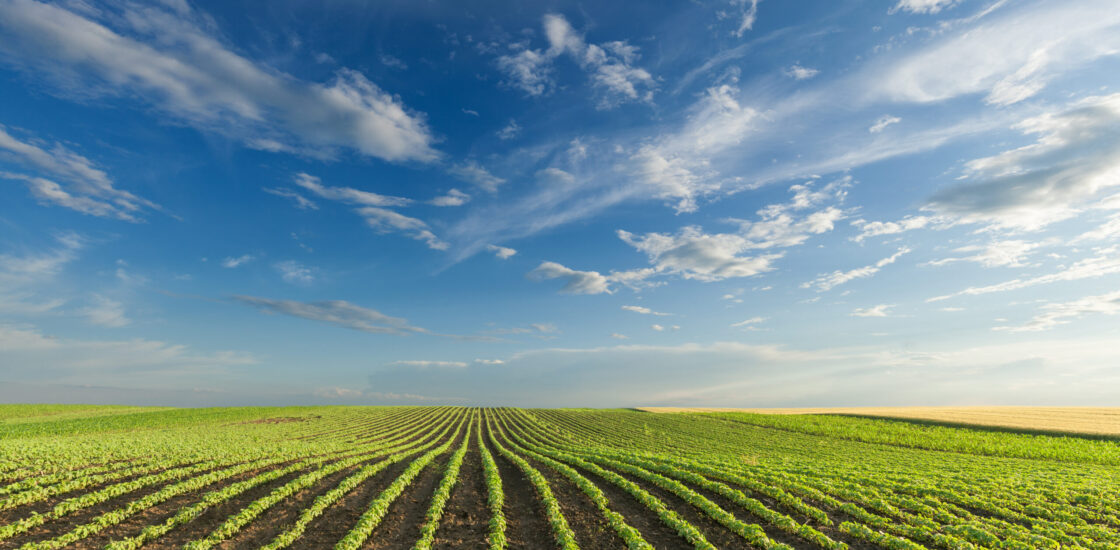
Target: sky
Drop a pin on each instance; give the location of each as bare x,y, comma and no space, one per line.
711,203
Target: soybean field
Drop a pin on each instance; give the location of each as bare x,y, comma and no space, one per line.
353,478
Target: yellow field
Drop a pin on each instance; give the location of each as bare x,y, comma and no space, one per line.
1082,420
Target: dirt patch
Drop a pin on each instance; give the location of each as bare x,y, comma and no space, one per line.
587,522
67,523
643,519
466,519
717,534
400,528
526,524
281,420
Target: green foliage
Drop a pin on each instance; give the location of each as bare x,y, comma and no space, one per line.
809,481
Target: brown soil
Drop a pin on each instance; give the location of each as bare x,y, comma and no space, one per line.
636,514
526,524
209,520
466,519
400,528
68,522
717,534
281,420
587,522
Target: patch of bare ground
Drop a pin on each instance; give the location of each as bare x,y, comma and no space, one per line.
636,514
466,518
526,524
282,419
67,523
587,522
830,531
213,517
17,513
400,528
717,534
159,513
336,521
281,515
746,517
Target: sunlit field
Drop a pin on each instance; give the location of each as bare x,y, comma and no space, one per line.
454,477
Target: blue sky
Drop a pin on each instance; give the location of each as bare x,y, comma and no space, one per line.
745,203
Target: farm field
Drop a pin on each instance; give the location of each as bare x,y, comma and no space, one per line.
456,477
1078,420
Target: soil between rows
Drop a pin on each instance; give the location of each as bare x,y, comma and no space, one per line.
158,514
466,519
400,528
526,524
590,527
67,523
717,534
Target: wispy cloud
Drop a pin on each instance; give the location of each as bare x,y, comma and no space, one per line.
501,252
645,311
105,312
1105,262
232,262
881,310
1056,314
832,280
174,62
610,65
87,189
453,197
294,272
335,312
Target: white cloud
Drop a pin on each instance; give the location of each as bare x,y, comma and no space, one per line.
98,362
1010,253
393,62
922,6
347,194
428,364
509,131
1106,262
501,252
693,254
880,310
529,70
17,271
294,272
1076,156
471,172
578,282
232,262
489,361
301,202
748,13
545,328
454,197
875,229
175,63
610,65
88,189
618,336
335,312
105,312
882,123
385,221
836,278
1063,313
645,311
1011,58
658,328
797,72
748,323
